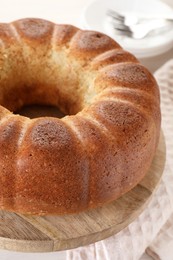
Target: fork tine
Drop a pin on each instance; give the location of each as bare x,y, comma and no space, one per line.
122,32
120,26
122,29
115,15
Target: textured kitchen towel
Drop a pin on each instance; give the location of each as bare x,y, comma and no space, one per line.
153,228
162,246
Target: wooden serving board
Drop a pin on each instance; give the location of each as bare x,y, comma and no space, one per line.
53,233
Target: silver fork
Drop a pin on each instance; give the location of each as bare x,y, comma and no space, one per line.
135,27
134,17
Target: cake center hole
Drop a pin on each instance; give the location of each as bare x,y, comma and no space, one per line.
34,111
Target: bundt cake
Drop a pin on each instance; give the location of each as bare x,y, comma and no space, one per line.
106,142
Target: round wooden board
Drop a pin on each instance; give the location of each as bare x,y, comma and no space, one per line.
52,233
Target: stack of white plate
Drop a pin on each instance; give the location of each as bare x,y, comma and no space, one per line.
95,17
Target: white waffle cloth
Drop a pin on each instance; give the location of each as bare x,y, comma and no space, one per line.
153,229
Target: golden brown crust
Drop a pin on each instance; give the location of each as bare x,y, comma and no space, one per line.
34,29
106,144
112,57
48,145
129,75
10,129
5,32
88,44
63,34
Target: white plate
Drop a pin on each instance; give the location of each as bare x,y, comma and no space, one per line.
94,17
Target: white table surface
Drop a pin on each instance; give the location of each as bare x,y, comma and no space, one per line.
59,11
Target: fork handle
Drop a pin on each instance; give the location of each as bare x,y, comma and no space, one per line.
168,17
